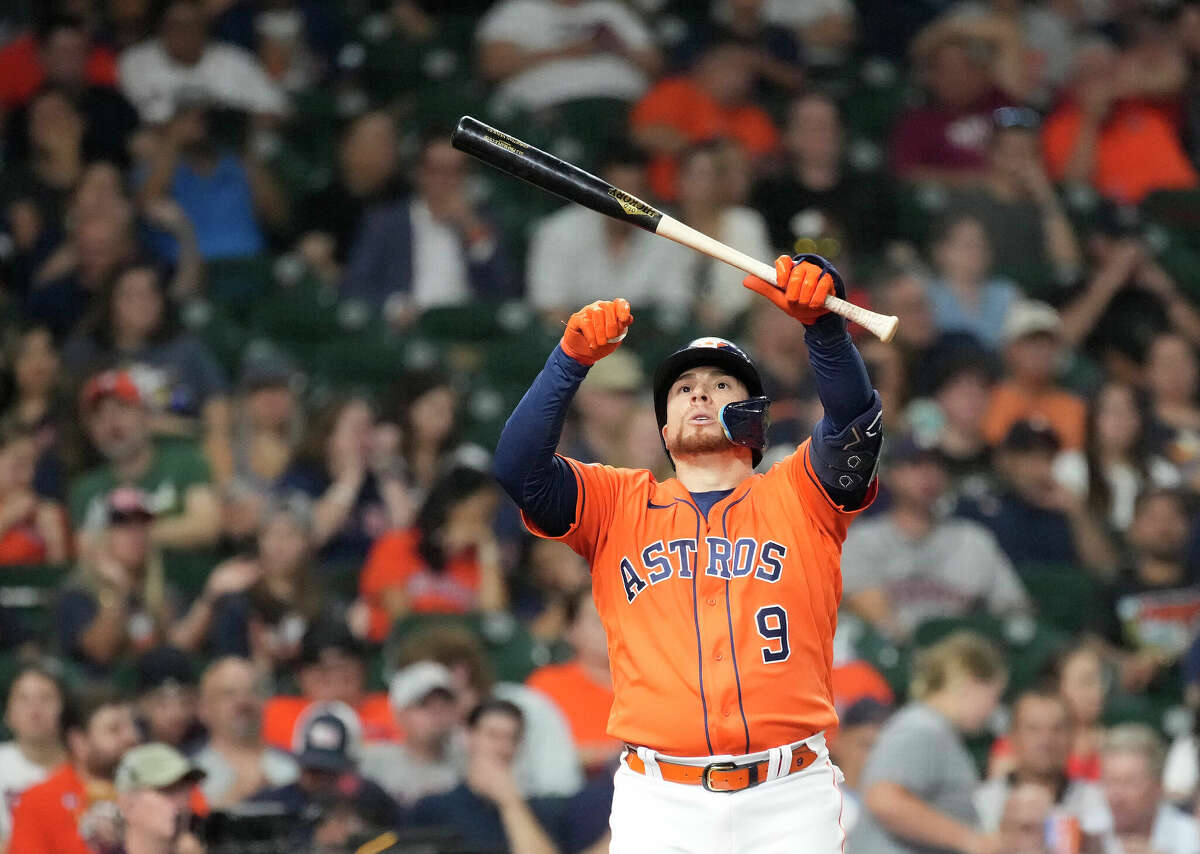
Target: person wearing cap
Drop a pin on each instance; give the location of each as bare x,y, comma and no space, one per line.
423,699
1032,340
448,562
1034,518
74,808
165,686
914,562
172,472
118,600
328,752
331,668
717,588
239,764
155,790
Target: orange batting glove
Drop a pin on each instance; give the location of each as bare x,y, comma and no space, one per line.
596,330
803,284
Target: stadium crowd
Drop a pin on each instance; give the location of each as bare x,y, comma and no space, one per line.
260,324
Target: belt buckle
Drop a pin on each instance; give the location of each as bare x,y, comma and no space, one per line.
716,766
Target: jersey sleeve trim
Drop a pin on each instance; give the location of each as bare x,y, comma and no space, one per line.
872,490
580,502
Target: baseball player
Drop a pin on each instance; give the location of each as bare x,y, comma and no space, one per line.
718,588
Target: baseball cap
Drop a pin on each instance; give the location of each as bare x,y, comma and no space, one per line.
328,634
127,504
155,766
163,667
1031,435
868,710
329,739
118,384
414,683
619,372
1030,317
906,448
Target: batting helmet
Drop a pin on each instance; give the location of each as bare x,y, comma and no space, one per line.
744,421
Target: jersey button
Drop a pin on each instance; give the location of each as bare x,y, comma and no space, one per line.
712,601
725,713
718,656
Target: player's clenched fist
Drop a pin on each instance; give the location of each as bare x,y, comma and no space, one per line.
803,283
596,330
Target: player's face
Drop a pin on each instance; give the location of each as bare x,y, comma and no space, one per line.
693,403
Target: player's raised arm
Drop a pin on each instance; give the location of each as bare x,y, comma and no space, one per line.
845,443
525,465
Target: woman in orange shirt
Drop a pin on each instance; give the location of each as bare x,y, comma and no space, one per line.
33,529
447,563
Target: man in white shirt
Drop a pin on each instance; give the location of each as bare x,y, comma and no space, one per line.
154,74
576,254
32,712
1131,765
237,762
1041,742
544,52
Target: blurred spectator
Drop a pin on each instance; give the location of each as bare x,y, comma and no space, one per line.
552,573
772,50
296,40
712,101
912,563
1116,463
332,668
367,175
259,606
48,53
34,402
542,53
1181,771
1018,207
488,809
1111,134
706,204
1035,519
1154,605
425,408
118,601
448,562
181,62
422,698
1078,673
329,748
353,504
229,197
826,28
1131,774
134,327
600,417
33,710
582,686
267,423
172,473
858,730
33,529
546,763
165,686
575,255
965,296
961,394
155,786
1033,342
236,760
98,243
1189,39
946,139
1040,737
1172,378
918,780
815,181
1027,824
795,408
74,811
433,248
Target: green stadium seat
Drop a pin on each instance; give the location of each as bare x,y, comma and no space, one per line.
1067,597
29,593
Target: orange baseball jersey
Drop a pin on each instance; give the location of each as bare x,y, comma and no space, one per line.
720,628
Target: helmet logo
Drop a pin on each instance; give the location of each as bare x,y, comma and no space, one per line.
719,343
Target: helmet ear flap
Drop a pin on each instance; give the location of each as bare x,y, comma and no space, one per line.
745,423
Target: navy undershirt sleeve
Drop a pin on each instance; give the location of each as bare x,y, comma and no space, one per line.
841,377
541,484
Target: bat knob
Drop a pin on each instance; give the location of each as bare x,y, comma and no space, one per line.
619,338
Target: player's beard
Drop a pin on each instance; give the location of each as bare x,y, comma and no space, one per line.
689,440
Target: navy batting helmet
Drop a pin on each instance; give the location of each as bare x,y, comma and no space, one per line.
744,421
